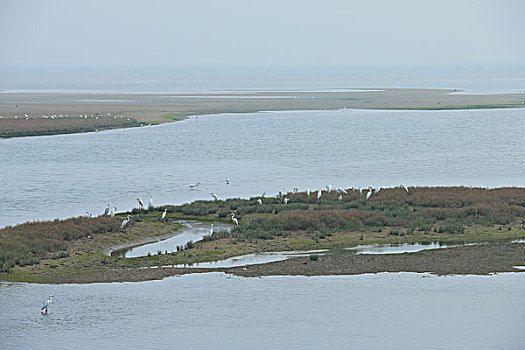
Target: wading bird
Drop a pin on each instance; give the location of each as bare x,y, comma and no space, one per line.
164,214
378,189
234,219
106,211
295,189
281,193
150,204
259,201
211,230
112,212
263,194
319,193
340,197
140,202
45,305
194,186
406,188
329,188
286,200
341,190
308,191
214,196
369,193
125,221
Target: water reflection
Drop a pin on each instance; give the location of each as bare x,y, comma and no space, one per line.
400,248
192,231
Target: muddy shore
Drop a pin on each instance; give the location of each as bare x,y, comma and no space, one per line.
162,108
482,259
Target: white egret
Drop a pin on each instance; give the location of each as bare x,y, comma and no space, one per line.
45,305
319,194
140,202
341,190
150,203
125,221
360,191
378,189
164,214
404,187
329,188
194,186
286,200
308,191
106,211
234,219
214,196
369,193
259,201
211,230
112,212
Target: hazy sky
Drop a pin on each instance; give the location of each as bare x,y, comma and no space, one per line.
268,32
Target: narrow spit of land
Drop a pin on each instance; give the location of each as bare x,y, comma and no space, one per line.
75,250
145,109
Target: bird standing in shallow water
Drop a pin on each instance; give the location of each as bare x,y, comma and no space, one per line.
45,305
211,230
234,219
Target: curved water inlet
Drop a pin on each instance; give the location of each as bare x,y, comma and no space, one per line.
192,231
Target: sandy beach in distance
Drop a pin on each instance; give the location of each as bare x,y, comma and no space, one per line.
159,108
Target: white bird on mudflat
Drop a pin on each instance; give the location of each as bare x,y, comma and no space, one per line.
369,193
308,191
211,230
194,186
329,188
112,212
406,188
214,196
125,221
45,305
164,214
286,200
378,189
259,201
106,211
341,190
319,193
140,202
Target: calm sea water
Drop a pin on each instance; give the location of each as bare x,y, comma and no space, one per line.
69,175
215,311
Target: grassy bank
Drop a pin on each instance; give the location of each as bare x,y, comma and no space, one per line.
75,249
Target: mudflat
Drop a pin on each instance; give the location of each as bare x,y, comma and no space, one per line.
160,108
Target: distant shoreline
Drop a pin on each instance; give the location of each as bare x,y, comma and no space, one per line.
160,108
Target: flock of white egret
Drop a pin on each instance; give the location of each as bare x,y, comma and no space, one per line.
283,195
59,116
